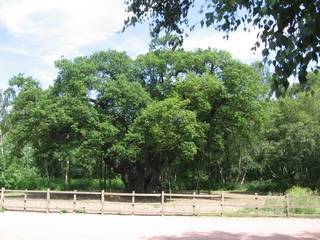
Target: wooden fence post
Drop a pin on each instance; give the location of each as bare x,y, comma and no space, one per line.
48,201
287,205
2,198
102,202
133,192
256,203
25,200
222,203
74,200
194,204
162,202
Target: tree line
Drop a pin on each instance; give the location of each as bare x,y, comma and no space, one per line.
166,120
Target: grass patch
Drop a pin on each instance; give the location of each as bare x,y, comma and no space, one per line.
261,187
83,210
258,186
63,211
84,184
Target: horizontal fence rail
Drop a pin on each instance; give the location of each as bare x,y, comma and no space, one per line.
217,204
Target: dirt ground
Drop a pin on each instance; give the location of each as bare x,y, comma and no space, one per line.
39,226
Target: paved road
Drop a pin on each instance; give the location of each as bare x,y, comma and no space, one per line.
40,226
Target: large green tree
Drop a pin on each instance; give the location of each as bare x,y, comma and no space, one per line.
164,133
171,120
229,105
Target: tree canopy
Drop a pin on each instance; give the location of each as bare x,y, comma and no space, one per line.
287,28
167,120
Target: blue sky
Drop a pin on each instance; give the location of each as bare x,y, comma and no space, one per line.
35,33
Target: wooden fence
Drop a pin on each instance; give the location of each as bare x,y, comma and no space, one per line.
217,204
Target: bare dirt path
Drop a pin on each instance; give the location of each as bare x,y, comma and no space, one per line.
40,226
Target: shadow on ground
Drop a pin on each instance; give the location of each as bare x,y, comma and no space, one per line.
219,235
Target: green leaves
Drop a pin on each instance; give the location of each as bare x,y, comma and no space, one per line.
166,124
122,100
292,136
181,119
288,28
167,133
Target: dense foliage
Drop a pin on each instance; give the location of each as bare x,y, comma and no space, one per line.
165,120
288,28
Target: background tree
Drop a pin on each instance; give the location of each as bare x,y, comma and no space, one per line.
292,137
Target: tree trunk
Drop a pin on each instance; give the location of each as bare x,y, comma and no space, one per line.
139,179
1,143
100,171
66,177
244,177
47,169
104,174
109,177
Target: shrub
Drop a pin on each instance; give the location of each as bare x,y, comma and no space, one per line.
261,186
299,191
19,177
300,198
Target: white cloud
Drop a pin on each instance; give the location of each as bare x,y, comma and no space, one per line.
14,50
46,76
41,31
239,43
52,28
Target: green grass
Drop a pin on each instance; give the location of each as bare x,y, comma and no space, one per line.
81,210
261,187
63,211
93,184
84,184
258,186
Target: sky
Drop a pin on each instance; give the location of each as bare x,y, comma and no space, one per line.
35,33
